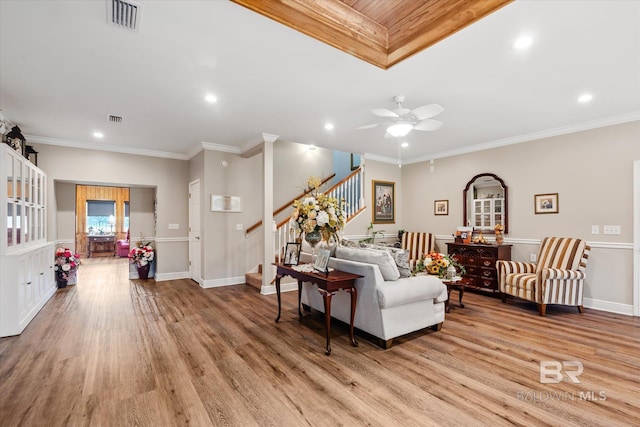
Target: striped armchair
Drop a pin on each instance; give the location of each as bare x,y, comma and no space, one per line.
558,278
417,244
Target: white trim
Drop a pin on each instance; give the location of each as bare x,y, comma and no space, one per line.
169,239
227,281
612,307
103,147
383,159
636,238
593,245
64,242
562,130
176,275
220,147
284,287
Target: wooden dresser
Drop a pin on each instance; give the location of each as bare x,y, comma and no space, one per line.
480,263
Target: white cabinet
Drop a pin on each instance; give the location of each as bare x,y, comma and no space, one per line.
487,213
27,279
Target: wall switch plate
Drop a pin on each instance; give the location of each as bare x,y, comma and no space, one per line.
611,229
174,226
239,227
533,257
595,229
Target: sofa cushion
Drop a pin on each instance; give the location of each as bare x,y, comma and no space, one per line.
382,259
400,256
409,290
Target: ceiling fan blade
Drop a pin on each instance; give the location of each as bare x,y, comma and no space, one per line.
427,111
401,112
368,126
383,112
428,124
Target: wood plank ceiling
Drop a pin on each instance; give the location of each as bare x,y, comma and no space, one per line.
381,32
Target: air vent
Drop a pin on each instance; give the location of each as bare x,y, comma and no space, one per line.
114,119
125,14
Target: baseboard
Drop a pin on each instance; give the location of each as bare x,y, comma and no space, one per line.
161,277
284,287
227,281
612,307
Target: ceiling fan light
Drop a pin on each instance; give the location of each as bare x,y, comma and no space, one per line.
399,129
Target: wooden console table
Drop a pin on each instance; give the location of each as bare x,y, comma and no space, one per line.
101,242
328,285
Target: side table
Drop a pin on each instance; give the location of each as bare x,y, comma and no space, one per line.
328,285
455,284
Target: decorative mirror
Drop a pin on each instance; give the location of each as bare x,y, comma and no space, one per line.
485,203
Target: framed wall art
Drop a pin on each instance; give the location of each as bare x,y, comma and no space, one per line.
546,203
221,203
441,207
384,200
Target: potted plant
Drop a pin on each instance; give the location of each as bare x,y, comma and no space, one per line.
65,266
142,256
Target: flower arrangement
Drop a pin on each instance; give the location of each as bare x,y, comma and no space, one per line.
141,255
66,263
318,212
436,263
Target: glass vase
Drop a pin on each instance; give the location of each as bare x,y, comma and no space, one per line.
313,238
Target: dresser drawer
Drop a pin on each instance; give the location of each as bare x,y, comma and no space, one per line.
480,262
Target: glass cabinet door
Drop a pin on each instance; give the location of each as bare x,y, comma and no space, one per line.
11,182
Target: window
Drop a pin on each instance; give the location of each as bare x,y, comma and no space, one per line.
101,216
126,216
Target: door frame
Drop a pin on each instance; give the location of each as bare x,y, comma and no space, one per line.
198,256
636,238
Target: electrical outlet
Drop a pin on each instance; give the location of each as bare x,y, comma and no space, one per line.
533,257
611,229
595,229
239,227
174,226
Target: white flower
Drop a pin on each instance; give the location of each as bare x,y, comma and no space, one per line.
322,218
66,267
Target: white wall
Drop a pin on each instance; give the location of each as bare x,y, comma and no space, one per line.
592,171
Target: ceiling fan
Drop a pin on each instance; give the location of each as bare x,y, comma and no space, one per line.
401,120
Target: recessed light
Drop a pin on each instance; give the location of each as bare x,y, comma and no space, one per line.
522,42
328,126
584,98
210,98
98,135
404,144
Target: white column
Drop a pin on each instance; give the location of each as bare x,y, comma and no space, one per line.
268,272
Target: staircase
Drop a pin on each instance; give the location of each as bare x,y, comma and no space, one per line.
255,279
350,189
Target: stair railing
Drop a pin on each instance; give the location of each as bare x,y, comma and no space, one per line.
350,189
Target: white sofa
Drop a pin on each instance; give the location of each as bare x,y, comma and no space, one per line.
385,309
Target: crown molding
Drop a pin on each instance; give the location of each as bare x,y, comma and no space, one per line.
383,159
562,130
220,147
103,147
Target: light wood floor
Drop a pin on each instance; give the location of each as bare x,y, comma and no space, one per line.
115,352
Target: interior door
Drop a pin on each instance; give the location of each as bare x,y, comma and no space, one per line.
194,232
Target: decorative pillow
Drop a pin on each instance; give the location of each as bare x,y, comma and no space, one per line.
400,256
349,243
382,259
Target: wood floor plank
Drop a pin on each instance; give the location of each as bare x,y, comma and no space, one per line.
114,351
